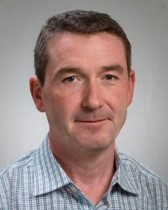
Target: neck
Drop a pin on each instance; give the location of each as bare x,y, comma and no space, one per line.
91,171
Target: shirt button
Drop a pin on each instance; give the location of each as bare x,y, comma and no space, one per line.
74,189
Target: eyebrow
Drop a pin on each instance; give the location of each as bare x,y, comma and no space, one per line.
115,67
68,69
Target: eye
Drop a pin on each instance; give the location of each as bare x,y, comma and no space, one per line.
110,77
69,79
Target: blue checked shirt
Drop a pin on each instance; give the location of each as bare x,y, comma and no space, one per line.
37,182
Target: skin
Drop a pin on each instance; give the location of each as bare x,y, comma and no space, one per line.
85,96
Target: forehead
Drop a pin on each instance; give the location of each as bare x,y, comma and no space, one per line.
99,47
97,39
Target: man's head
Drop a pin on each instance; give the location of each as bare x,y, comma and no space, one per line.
77,22
82,82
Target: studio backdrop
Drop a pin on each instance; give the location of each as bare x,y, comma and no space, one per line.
22,127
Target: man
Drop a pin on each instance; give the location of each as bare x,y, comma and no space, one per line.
84,83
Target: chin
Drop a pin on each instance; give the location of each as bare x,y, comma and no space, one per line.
91,143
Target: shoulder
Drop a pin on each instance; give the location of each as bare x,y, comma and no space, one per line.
148,183
18,168
14,177
137,167
22,162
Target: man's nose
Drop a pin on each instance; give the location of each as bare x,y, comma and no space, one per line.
92,97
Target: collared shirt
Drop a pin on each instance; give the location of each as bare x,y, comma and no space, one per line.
36,181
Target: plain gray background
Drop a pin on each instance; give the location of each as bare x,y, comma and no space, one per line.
22,127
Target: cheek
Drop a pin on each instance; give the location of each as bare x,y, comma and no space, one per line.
118,98
63,107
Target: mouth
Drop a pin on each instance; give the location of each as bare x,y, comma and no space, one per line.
93,126
91,122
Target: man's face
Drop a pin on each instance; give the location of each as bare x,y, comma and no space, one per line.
87,90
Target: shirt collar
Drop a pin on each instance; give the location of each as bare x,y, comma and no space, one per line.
48,174
123,175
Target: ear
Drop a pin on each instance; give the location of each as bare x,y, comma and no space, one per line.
131,86
36,92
